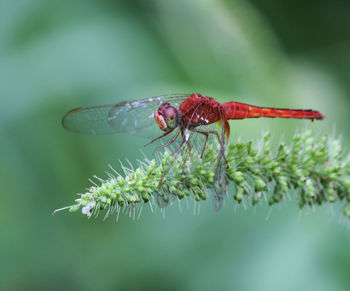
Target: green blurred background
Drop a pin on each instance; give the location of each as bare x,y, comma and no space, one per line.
60,54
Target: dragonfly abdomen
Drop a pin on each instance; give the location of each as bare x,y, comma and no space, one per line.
235,110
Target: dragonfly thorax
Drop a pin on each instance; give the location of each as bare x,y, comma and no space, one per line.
167,117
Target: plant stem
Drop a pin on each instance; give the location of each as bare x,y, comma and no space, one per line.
316,171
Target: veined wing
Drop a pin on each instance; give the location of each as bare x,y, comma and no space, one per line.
129,117
219,187
220,179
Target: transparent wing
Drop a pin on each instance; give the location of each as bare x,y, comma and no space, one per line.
129,117
219,187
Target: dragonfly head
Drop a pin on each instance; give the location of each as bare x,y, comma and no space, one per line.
167,117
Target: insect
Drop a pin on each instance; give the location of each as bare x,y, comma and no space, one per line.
183,114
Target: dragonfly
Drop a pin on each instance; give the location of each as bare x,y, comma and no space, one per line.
182,115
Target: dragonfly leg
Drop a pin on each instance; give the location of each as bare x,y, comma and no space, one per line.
206,133
187,156
173,154
159,137
179,146
185,139
168,144
205,142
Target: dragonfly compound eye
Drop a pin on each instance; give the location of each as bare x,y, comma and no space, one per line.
170,115
167,117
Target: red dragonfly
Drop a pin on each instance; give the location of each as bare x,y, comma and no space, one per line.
183,114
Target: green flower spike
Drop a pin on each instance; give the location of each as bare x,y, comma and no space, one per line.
315,171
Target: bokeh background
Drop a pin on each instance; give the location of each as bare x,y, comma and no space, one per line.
57,55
